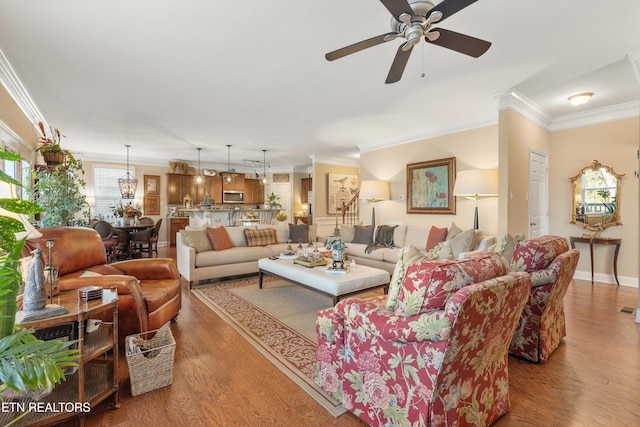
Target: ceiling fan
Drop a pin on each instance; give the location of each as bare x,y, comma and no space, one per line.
412,20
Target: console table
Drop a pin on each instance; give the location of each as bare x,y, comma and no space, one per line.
600,241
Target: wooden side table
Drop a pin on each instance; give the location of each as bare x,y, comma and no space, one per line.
600,241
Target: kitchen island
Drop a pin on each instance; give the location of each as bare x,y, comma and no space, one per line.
228,216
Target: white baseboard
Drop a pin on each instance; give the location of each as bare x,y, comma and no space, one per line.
607,278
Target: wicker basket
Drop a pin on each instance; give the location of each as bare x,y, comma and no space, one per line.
150,359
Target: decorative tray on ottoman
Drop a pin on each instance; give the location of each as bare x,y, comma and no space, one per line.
310,263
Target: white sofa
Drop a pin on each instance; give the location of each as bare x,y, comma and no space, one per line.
196,264
407,235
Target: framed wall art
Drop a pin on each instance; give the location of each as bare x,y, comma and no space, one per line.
152,185
430,187
151,205
340,188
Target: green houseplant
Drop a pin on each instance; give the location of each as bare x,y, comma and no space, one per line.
26,363
52,153
58,192
273,201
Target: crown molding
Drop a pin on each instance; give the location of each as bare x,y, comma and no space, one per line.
613,113
18,91
433,131
336,161
515,101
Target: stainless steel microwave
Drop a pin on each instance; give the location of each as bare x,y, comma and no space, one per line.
232,196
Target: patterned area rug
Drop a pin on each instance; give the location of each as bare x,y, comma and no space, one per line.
278,320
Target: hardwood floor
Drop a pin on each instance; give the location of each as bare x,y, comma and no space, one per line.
219,379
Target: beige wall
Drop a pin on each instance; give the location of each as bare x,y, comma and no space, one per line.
473,149
320,171
517,136
613,144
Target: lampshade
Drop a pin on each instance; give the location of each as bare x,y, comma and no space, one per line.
476,183
374,191
7,191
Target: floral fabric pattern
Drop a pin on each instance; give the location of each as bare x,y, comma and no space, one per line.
428,284
542,325
442,367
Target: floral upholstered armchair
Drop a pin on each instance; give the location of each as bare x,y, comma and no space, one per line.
436,355
542,325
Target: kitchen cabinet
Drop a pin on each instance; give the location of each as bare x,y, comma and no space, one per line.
305,187
237,182
253,191
179,186
96,377
175,225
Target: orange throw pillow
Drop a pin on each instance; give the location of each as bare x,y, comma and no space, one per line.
219,238
436,235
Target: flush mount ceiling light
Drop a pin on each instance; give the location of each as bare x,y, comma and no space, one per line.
580,98
128,183
199,177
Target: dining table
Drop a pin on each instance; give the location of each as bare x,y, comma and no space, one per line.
130,229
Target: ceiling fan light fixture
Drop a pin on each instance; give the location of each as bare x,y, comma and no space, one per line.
128,184
580,98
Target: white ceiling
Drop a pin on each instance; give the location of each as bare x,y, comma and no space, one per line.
168,76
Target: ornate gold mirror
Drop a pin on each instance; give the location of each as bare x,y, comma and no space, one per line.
596,197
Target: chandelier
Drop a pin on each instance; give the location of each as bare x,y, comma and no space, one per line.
229,176
127,183
264,166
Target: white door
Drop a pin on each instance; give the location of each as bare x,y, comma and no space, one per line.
538,194
283,189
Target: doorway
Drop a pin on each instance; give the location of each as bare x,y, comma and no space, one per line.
538,194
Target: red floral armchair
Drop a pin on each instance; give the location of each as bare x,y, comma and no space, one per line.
542,325
439,357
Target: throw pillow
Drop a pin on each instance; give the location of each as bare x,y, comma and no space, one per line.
454,230
441,251
263,237
219,238
299,233
462,242
436,235
363,234
347,232
197,239
406,256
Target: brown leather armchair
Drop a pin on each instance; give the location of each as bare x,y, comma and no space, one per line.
149,293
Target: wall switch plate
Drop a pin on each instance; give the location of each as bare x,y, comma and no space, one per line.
403,197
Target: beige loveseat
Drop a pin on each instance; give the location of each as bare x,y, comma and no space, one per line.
198,261
457,243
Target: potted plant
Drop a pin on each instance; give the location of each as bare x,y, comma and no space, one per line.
52,153
58,193
273,201
26,363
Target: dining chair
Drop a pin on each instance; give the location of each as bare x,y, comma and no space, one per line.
154,237
145,220
109,239
141,242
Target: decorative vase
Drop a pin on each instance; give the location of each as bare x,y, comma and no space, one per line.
53,158
35,292
338,262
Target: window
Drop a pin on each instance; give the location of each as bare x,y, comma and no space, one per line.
106,190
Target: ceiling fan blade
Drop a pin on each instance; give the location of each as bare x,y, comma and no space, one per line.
450,7
356,47
459,42
399,63
397,8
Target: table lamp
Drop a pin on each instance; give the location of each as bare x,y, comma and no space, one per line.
474,184
374,191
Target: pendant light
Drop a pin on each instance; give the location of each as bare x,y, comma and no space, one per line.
128,183
264,166
229,163
199,178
